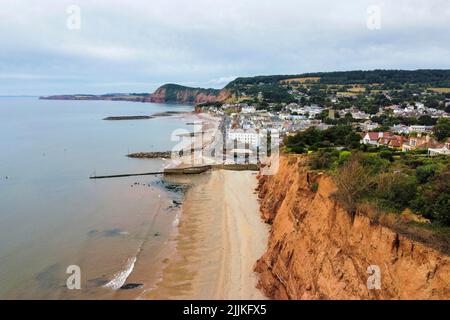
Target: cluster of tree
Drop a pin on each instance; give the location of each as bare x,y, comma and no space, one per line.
432,198
270,93
345,120
442,129
313,139
420,184
216,104
410,96
368,104
389,121
389,78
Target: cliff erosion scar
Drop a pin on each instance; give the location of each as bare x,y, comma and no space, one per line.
316,250
180,94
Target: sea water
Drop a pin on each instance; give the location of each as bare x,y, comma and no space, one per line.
53,216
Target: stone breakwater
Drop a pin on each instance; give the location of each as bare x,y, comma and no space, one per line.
150,155
118,118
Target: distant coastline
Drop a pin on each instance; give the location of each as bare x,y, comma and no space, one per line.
168,93
20,96
273,89
132,97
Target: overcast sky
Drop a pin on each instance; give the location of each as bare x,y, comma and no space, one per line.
137,45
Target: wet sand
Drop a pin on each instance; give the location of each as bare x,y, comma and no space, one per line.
220,237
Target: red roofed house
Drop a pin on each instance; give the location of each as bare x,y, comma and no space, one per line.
420,142
373,137
394,141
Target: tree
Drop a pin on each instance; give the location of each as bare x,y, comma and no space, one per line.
434,200
348,118
323,159
442,129
425,172
353,181
395,190
432,102
426,120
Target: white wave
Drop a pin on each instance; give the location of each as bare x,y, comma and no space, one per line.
119,278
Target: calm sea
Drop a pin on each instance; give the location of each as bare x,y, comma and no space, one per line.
52,216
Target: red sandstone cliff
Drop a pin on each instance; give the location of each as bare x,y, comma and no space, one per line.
316,251
180,94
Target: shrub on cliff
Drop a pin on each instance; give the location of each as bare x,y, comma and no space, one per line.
376,163
353,182
425,172
394,190
323,159
419,184
295,149
433,200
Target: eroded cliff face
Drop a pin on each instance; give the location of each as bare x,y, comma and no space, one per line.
180,94
317,251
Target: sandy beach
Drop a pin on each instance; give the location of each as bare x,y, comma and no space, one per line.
220,237
199,148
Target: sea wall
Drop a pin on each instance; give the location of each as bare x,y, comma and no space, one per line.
317,251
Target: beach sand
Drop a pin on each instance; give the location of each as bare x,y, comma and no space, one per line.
220,237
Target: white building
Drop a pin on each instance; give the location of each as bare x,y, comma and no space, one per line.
288,116
311,111
440,151
400,129
368,125
251,137
360,115
420,129
420,105
248,109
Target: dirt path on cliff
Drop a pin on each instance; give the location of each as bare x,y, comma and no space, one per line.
221,236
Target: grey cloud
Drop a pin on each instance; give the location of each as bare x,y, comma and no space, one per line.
136,45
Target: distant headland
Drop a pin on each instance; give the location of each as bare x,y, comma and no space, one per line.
248,89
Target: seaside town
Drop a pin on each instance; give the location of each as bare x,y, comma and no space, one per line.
205,158
403,127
